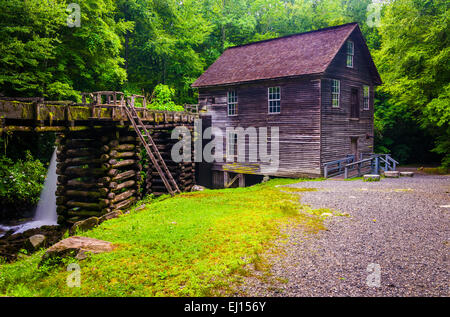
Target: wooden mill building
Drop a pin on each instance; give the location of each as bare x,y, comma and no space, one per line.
317,87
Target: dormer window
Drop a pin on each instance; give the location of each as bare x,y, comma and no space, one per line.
350,53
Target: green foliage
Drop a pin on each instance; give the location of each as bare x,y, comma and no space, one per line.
162,99
21,181
413,61
28,32
134,45
194,244
42,56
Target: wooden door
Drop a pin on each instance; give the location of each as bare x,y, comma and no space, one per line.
354,111
354,147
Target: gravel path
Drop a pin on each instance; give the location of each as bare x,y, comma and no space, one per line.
399,224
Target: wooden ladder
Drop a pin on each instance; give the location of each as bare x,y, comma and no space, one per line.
152,150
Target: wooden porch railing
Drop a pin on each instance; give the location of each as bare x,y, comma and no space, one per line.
376,162
335,168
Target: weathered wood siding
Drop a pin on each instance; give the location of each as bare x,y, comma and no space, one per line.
337,126
298,122
311,131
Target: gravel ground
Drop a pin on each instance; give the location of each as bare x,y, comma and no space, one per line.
398,224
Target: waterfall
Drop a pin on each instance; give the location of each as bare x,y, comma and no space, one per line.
45,214
46,208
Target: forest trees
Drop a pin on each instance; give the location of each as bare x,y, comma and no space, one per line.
414,63
42,56
134,45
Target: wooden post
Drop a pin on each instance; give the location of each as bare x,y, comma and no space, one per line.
241,180
376,165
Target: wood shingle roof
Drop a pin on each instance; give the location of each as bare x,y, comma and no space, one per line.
293,55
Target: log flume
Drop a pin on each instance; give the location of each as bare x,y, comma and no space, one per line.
35,114
101,166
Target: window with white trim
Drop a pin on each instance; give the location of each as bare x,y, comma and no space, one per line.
274,99
335,93
232,139
366,90
232,103
350,53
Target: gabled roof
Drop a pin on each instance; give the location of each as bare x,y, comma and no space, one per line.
293,55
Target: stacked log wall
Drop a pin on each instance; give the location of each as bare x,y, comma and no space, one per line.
182,172
99,171
107,169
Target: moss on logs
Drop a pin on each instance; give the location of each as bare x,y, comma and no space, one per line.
88,194
125,203
82,184
119,155
82,143
124,147
113,172
85,205
117,164
85,213
81,152
116,186
80,172
123,196
124,175
82,161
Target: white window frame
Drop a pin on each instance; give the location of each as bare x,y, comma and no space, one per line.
335,95
270,98
233,104
350,53
366,98
232,139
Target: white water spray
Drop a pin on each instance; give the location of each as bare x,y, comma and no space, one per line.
45,214
46,208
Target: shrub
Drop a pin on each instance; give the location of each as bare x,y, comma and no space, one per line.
162,99
21,182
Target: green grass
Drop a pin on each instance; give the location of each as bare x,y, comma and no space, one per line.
195,244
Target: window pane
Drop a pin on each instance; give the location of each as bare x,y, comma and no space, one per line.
232,103
335,93
350,48
366,91
366,97
274,99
